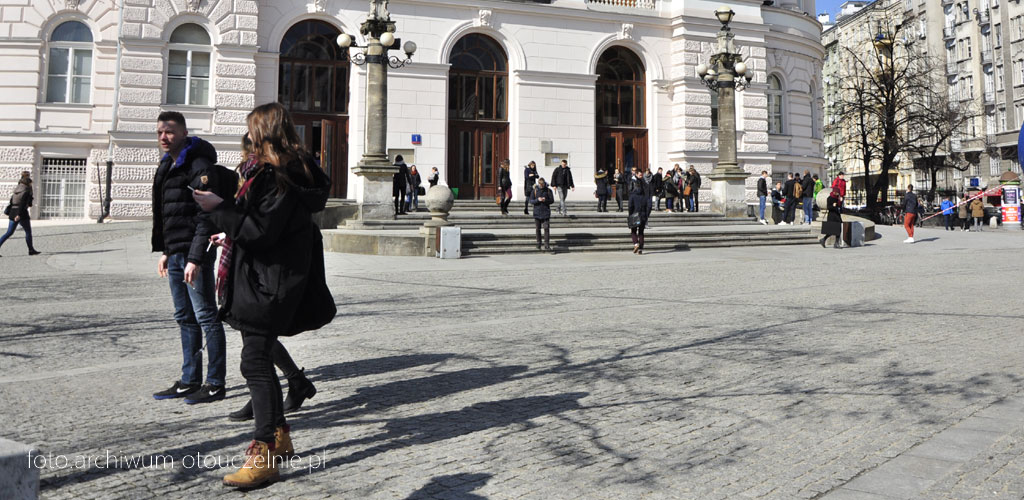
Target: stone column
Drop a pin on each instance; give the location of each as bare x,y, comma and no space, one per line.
728,181
376,203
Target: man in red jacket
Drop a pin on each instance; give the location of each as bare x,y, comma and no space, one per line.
839,184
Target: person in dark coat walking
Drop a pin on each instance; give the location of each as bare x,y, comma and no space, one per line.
639,209
274,281
833,225
910,215
541,197
789,207
505,186
561,180
400,184
601,181
180,233
621,180
18,212
807,186
530,177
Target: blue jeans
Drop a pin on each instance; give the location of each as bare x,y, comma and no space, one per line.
562,194
26,224
412,200
195,310
808,209
761,200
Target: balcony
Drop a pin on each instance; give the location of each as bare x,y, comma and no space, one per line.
649,7
986,56
948,33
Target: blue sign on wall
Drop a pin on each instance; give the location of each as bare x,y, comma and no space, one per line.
975,182
1020,145
417,139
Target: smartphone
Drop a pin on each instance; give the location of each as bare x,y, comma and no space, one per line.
191,188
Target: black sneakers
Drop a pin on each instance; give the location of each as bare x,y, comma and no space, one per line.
178,390
206,394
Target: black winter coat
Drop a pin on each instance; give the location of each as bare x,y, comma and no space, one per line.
21,200
504,179
657,184
277,284
179,226
400,180
833,210
601,180
807,184
530,177
562,178
541,209
762,187
640,199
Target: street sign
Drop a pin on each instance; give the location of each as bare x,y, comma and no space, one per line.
1020,146
417,139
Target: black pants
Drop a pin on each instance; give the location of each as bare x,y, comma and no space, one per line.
526,203
399,200
506,198
546,225
602,202
618,195
789,210
283,361
638,235
264,386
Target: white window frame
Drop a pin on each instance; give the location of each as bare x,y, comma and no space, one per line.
189,49
780,95
70,76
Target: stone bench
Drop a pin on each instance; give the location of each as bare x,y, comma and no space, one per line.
19,480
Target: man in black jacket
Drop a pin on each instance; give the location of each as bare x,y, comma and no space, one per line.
789,209
561,180
399,183
807,185
181,232
762,195
658,184
530,175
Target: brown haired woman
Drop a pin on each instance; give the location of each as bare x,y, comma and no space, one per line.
17,212
275,284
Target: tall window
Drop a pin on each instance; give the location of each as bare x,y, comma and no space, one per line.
621,83
774,105
188,66
478,80
314,71
714,108
69,68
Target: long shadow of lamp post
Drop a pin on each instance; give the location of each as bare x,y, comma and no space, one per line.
375,169
726,74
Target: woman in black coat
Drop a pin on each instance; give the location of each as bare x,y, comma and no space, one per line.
601,180
272,273
639,209
505,186
621,181
833,225
17,212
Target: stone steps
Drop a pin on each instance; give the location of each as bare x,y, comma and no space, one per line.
482,243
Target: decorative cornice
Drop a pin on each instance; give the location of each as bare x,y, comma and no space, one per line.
485,18
192,5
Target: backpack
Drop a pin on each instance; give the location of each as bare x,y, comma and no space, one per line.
798,190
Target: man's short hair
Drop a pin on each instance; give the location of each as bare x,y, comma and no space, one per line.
910,187
764,172
172,116
842,173
399,159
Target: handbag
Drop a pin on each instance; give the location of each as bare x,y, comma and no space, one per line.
7,210
686,191
421,191
634,220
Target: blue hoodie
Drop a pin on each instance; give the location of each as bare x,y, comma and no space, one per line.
947,207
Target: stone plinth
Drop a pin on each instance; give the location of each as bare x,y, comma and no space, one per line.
729,194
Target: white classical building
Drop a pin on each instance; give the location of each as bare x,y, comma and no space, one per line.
600,83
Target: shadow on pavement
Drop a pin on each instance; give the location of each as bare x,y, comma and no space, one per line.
454,486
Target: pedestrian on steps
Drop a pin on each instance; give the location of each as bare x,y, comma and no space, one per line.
541,197
639,209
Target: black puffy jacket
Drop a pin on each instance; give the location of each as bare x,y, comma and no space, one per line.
277,284
179,226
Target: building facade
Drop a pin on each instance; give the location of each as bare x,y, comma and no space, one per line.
604,84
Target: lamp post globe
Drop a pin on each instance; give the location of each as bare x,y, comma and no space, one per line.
387,39
344,40
724,15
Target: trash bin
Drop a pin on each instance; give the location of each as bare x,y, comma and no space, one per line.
455,193
450,244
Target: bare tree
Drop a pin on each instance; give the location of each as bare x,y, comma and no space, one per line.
883,86
933,151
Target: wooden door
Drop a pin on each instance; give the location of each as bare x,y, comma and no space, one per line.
327,140
621,149
475,152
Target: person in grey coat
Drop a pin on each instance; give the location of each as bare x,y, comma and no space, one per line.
17,212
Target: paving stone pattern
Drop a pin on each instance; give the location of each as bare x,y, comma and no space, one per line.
784,372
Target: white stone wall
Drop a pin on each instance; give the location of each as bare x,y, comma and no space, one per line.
552,49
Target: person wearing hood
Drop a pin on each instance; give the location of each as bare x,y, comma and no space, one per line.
833,224
530,176
561,180
17,212
180,233
541,197
601,181
273,279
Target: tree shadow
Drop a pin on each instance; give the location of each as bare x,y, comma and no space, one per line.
375,366
454,487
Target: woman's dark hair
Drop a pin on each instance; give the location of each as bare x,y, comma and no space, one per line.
26,177
275,142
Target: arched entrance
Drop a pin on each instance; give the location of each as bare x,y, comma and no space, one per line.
313,85
477,116
621,111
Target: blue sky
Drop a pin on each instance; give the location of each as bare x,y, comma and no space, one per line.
830,6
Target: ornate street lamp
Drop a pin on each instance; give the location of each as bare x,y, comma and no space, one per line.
726,74
375,169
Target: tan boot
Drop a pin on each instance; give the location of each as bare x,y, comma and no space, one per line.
283,442
260,468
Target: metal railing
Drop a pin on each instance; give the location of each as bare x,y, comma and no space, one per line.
952,68
646,5
63,187
990,96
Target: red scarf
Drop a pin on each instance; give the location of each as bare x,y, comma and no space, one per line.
224,268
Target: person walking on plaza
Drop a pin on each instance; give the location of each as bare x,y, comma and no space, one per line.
840,184
434,177
693,184
505,185
833,225
978,213
963,213
300,388
561,180
807,190
789,195
412,200
658,185
639,209
399,184
910,205
270,235
601,181
541,197
18,213
180,233
530,176
620,189
762,195
947,212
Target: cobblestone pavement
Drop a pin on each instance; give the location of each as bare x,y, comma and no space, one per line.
784,372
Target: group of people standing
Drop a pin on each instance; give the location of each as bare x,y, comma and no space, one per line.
679,188
968,212
270,281
407,186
